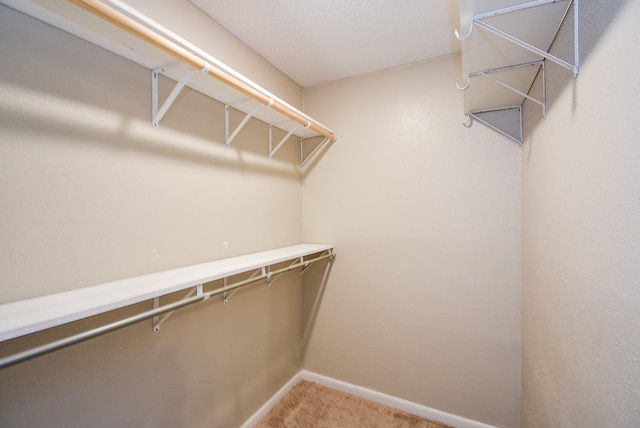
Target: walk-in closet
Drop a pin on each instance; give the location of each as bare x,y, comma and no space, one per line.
429,210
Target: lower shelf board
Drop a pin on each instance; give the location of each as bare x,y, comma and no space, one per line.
31,315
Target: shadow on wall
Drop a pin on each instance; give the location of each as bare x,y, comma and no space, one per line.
75,95
314,283
83,385
595,20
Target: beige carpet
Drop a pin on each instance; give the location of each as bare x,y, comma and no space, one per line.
311,405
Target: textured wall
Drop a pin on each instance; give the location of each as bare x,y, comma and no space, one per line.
581,233
90,192
423,301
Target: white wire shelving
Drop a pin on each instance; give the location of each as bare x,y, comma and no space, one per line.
119,28
505,47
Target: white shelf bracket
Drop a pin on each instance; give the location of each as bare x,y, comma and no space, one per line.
228,138
304,159
158,321
266,272
495,119
158,113
272,151
293,263
542,103
305,266
226,295
478,20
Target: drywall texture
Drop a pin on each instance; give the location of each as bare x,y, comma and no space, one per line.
581,233
423,300
91,192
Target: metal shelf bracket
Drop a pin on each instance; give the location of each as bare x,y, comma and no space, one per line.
305,266
226,295
499,120
228,138
157,320
158,113
266,273
271,279
488,74
304,159
272,151
479,20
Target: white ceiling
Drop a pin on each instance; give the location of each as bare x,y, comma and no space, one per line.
316,41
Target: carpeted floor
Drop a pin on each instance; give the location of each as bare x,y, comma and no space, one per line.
309,405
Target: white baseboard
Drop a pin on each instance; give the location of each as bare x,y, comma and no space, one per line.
368,394
394,402
271,401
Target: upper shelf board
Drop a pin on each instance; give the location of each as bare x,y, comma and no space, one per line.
30,315
80,23
484,50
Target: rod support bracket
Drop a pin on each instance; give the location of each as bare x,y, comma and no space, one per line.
269,278
230,135
157,320
157,111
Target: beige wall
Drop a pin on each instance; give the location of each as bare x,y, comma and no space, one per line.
581,233
91,192
423,301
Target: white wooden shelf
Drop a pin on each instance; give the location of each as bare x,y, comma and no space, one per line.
99,31
39,313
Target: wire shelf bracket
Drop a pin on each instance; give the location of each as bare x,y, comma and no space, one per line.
505,115
157,320
489,75
304,159
501,120
225,283
228,138
272,150
480,21
158,112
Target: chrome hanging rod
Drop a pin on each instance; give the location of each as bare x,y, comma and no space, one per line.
81,337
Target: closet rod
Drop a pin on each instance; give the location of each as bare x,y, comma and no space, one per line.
81,337
216,70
